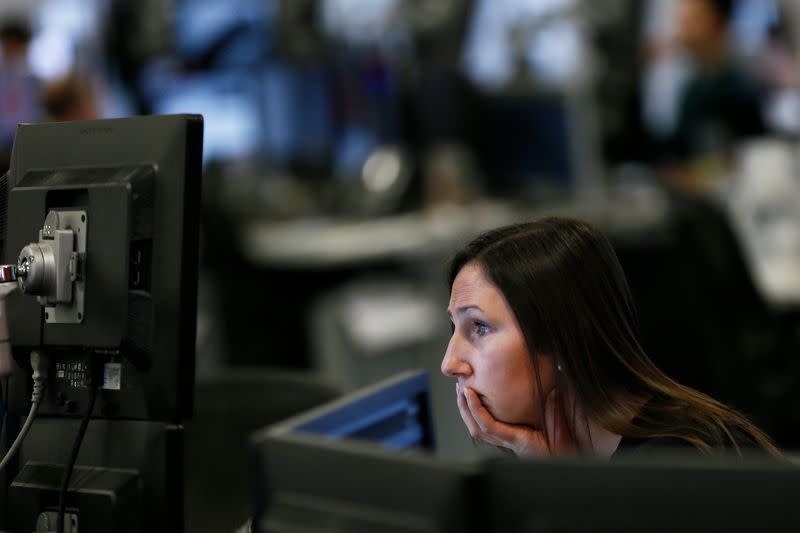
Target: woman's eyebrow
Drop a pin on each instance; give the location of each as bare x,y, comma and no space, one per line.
464,309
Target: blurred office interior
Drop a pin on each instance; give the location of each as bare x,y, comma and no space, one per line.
352,145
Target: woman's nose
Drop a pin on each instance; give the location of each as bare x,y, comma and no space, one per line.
454,364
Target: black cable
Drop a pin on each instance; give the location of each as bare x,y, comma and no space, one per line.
5,406
5,410
62,494
3,441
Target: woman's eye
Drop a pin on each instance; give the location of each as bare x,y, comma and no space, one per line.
480,328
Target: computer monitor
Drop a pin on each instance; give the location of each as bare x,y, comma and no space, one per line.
103,215
127,192
525,143
394,413
128,477
229,103
532,125
309,476
312,474
669,493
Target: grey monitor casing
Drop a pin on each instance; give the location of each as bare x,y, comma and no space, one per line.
138,179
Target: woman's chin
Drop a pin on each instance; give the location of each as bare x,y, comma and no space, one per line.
515,419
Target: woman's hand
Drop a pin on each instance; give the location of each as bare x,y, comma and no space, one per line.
521,439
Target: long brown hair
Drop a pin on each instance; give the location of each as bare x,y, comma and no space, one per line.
566,287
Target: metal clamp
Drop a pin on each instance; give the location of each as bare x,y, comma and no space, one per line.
51,269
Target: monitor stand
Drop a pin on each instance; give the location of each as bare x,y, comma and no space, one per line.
128,477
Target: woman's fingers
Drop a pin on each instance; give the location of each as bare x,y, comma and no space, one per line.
466,415
478,425
521,439
499,433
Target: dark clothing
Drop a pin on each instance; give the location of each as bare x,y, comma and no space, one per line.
644,446
656,445
717,109
634,446
673,446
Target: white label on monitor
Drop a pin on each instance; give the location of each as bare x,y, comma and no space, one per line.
112,376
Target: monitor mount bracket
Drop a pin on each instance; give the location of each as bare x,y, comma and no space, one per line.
53,268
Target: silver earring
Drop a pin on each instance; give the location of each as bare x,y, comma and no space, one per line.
559,367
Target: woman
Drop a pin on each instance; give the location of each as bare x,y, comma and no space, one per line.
546,355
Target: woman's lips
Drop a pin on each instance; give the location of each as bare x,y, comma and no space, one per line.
462,389
484,400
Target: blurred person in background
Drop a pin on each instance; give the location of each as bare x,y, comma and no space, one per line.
71,98
20,99
15,38
721,102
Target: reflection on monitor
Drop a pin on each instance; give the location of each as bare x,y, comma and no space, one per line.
310,474
394,413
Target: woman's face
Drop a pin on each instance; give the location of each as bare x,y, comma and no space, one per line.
697,24
487,351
